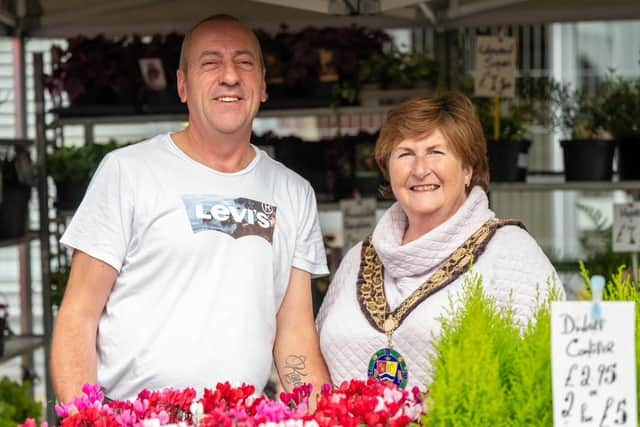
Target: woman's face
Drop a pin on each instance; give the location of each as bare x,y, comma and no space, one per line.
428,180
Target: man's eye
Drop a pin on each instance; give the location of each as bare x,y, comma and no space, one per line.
245,64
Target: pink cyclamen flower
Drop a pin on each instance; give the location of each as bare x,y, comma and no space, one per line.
94,392
64,410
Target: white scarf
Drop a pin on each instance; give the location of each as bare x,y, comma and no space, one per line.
423,255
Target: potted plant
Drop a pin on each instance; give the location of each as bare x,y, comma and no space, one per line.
508,148
98,74
401,72
15,194
316,66
587,147
16,403
71,169
161,51
508,155
620,115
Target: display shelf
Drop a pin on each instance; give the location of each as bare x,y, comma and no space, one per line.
17,345
540,184
561,185
32,235
150,118
335,206
16,141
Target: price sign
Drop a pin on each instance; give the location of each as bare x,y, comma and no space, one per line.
358,220
495,66
626,227
593,364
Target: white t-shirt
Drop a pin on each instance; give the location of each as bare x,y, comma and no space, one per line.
204,260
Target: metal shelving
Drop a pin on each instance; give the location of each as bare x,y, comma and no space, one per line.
31,235
17,345
24,343
560,185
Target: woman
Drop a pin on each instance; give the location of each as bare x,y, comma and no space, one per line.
382,308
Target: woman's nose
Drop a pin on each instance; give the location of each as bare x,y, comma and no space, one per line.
421,166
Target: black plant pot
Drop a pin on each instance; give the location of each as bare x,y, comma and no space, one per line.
69,194
588,159
629,159
14,210
508,160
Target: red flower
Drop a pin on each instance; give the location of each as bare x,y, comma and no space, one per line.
90,417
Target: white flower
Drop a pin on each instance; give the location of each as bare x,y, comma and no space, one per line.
413,411
392,395
197,410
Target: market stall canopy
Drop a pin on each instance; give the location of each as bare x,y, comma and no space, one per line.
62,18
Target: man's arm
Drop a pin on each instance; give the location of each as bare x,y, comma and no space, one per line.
73,348
297,348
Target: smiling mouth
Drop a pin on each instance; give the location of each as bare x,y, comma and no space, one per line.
424,187
227,99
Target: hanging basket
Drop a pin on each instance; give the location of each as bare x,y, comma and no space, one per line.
14,211
588,159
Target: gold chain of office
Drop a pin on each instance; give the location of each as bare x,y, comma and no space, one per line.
370,284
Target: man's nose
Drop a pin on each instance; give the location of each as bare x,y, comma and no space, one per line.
230,75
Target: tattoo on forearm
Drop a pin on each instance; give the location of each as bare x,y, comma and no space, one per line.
294,369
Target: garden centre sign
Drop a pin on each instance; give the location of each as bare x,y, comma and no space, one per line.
593,362
495,66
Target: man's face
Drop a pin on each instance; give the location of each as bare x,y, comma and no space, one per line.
223,84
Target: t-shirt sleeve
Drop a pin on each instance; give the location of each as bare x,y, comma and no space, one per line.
309,254
101,227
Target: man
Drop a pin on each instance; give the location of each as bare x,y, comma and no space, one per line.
193,251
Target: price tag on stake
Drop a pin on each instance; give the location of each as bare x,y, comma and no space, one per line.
593,363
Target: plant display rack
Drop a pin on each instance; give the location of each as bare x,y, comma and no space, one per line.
26,342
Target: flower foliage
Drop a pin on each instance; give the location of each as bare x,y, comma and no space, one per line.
488,369
354,403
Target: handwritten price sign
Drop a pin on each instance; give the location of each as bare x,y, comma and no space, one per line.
495,66
358,219
626,227
593,364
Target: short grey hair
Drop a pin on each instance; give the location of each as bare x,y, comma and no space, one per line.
221,17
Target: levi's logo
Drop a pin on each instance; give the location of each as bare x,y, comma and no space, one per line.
235,217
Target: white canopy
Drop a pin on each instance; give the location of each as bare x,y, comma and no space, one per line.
62,18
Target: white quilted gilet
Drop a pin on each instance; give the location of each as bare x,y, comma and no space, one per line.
512,267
